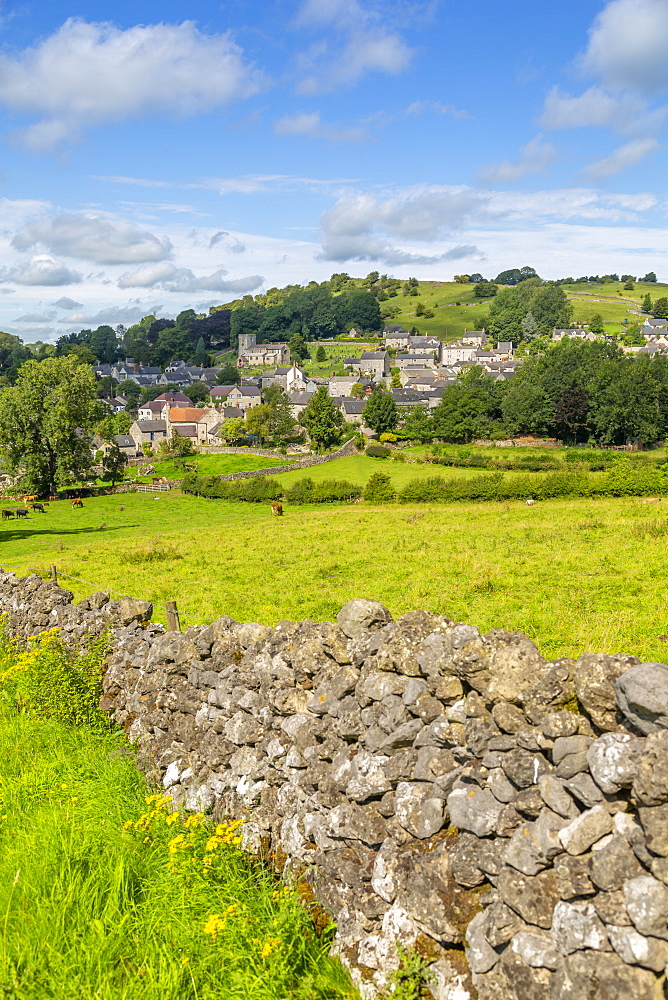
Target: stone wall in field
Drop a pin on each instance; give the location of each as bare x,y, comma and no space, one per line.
452,792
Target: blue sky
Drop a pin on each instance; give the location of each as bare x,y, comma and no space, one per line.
157,157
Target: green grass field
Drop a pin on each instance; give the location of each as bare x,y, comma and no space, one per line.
207,465
573,575
611,301
106,894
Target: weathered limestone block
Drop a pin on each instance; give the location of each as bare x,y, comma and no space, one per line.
595,675
642,697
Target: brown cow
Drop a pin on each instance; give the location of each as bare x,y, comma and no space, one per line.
77,502
277,508
29,499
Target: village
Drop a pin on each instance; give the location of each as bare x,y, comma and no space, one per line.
416,370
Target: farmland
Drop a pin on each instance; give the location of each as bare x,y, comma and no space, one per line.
573,575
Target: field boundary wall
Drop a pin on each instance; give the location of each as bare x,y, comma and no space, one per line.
437,789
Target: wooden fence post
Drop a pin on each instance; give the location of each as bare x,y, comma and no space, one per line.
54,574
173,622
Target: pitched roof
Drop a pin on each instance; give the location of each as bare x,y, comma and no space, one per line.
186,414
147,426
186,430
174,397
124,441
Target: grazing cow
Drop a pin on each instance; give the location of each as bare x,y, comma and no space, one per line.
53,496
277,508
29,499
530,503
20,512
6,514
77,502
39,507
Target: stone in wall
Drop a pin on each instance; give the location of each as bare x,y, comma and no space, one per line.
435,786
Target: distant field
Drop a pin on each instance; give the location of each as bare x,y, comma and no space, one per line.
574,575
208,465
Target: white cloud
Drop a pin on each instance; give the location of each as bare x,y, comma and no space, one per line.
627,46
86,74
436,108
65,303
368,226
34,318
92,237
535,158
354,42
233,244
112,315
182,279
41,270
594,108
622,158
311,124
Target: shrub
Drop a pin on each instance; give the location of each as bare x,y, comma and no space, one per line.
258,489
377,451
52,683
325,491
388,436
379,489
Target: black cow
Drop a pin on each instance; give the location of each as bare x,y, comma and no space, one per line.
39,507
20,512
7,514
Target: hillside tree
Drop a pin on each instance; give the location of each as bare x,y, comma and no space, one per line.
322,419
381,413
47,422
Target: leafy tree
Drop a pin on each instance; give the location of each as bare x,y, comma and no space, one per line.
379,489
475,278
462,279
396,379
233,429
281,422
650,277
514,275
660,309
201,356
106,387
468,408
418,425
526,408
381,413
198,392
180,446
47,421
110,426
529,327
485,290
596,323
113,464
298,348
646,306
320,354
632,335
570,414
228,375
259,421
358,391
629,286
322,419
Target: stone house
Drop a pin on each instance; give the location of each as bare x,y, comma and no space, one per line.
244,397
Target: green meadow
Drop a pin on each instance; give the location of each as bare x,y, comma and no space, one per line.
574,575
107,893
207,465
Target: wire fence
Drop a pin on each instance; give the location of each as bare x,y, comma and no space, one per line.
167,606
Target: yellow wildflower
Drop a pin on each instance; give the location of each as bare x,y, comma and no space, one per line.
214,925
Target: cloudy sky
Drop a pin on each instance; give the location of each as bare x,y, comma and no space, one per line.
152,163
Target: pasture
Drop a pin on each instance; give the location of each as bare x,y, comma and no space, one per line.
574,575
207,465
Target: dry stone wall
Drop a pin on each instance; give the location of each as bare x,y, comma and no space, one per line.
505,816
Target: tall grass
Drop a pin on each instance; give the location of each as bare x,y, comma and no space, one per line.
107,893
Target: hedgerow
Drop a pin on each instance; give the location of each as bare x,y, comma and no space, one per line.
325,491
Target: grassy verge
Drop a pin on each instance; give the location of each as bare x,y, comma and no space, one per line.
106,893
574,575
